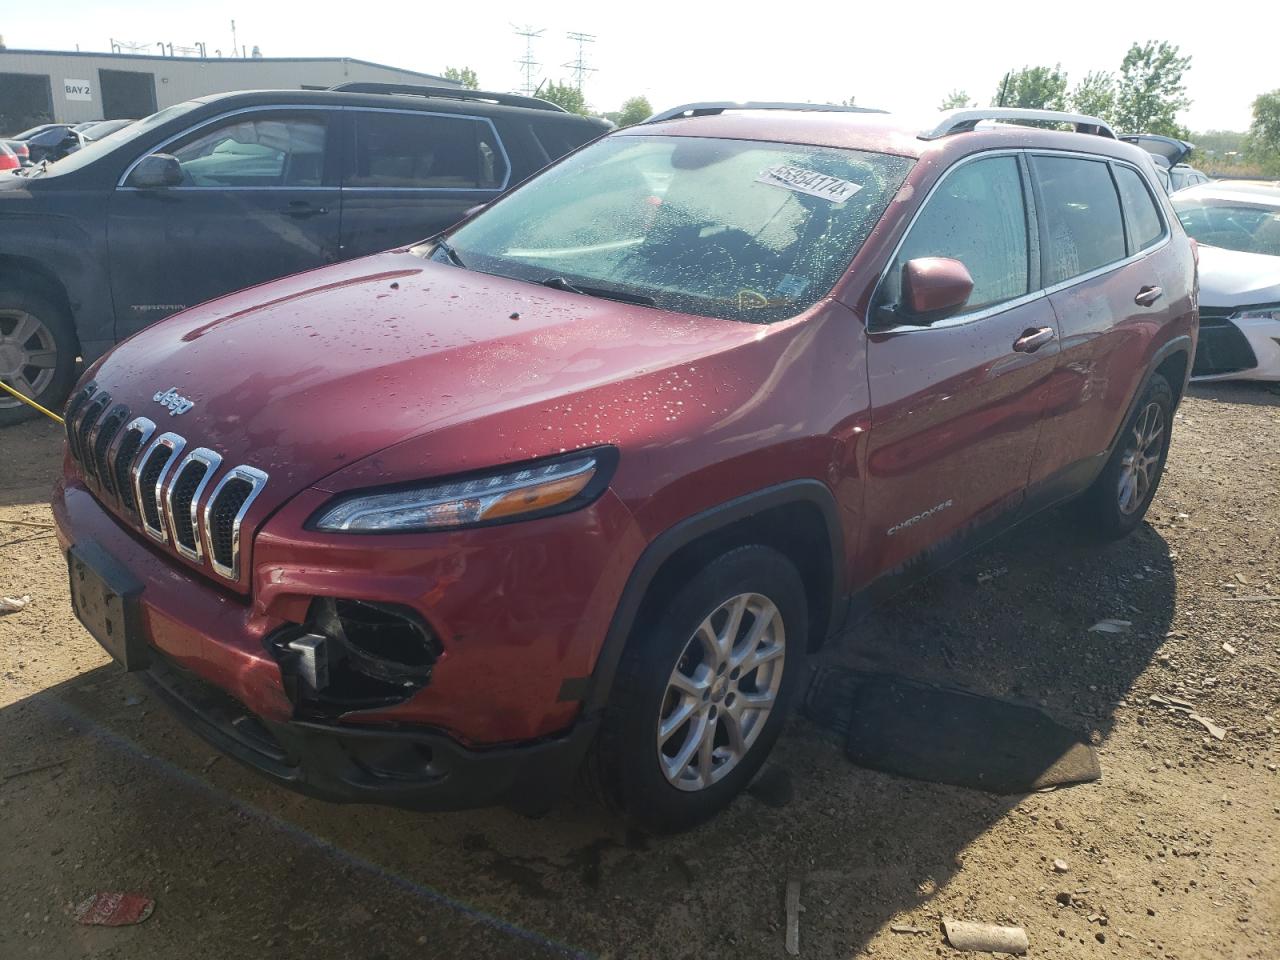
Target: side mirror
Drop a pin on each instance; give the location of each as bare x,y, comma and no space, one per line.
933,288
156,171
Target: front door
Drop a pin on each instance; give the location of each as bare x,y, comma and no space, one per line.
957,405
410,174
259,199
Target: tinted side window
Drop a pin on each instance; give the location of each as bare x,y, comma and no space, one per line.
1081,214
429,152
256,150
1139,207
978,216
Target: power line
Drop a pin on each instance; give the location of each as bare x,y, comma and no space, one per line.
527,64
579,67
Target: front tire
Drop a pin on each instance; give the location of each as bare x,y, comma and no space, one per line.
37,353
1118,500
703,692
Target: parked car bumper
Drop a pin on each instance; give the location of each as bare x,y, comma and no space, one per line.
1237,349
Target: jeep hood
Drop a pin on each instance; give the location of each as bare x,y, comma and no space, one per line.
303,376
1233,278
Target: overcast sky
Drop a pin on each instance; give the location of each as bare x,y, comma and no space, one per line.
899,56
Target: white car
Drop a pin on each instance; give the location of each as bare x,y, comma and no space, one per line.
1237,224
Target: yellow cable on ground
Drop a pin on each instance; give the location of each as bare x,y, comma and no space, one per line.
29,402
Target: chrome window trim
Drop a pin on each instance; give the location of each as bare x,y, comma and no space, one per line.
146,427
497,138
94,434
259,108
258,479
963,319
174,443
212,462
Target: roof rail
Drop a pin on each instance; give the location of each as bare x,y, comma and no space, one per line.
448,93
712,107
959,121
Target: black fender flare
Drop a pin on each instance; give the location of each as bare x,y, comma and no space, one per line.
1179,344
594,690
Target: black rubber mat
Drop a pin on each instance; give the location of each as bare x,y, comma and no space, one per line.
946,736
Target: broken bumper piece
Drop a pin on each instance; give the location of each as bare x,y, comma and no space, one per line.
414,768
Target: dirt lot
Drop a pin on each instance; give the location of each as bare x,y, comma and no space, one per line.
1175,853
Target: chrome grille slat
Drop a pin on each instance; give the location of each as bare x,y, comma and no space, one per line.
182,502
122,456
93,409
100,437
70,415
224,512
149,475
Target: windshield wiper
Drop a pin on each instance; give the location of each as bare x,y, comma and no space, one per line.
605,293
452,254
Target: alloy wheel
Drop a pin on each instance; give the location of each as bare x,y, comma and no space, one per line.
28,355
1141,459
721,691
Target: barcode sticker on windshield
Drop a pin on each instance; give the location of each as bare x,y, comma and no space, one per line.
832,189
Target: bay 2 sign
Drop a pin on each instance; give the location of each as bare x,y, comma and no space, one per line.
77,89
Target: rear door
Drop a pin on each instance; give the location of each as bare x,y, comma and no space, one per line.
410,174
1114,281
956,406
259,200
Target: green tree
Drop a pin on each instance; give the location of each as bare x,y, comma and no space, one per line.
634,110
565,95
1095,95
1150,91
463,75
1263,143
1037,88
956,100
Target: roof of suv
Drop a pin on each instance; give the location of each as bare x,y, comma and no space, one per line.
882,133
445,100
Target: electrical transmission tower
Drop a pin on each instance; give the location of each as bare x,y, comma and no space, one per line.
528,65
579,67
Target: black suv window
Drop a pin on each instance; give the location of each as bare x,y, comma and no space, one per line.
256,150
426,151
978,216
1081,216
1145,224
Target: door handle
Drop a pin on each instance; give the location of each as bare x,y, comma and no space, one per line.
1033,339
301,210
1147,296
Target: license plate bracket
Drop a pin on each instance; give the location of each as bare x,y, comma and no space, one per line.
104,596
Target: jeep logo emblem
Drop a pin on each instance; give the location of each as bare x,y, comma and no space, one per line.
175,401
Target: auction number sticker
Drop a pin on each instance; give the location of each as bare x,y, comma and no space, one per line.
831,189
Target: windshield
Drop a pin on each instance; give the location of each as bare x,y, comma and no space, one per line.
722,228
1234,224
97,148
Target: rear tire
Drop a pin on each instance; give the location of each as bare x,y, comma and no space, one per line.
37,353
1118,500
702,692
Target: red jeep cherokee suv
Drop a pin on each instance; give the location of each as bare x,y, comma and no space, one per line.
585,478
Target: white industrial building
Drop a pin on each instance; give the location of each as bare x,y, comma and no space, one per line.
41,86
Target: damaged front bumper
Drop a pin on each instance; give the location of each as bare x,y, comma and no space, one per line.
419,769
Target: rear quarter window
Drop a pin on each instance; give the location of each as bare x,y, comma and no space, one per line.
1145,223
1080,211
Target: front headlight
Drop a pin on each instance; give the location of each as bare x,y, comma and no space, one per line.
537,489
1269,311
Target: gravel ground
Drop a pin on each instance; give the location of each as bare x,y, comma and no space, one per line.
1175,853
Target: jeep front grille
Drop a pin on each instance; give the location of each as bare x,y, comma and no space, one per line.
180,501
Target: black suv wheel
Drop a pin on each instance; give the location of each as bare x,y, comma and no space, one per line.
37,353
702,694
1119,498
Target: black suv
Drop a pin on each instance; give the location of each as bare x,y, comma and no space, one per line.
223,192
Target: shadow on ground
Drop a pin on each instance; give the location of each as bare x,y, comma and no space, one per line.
240,867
